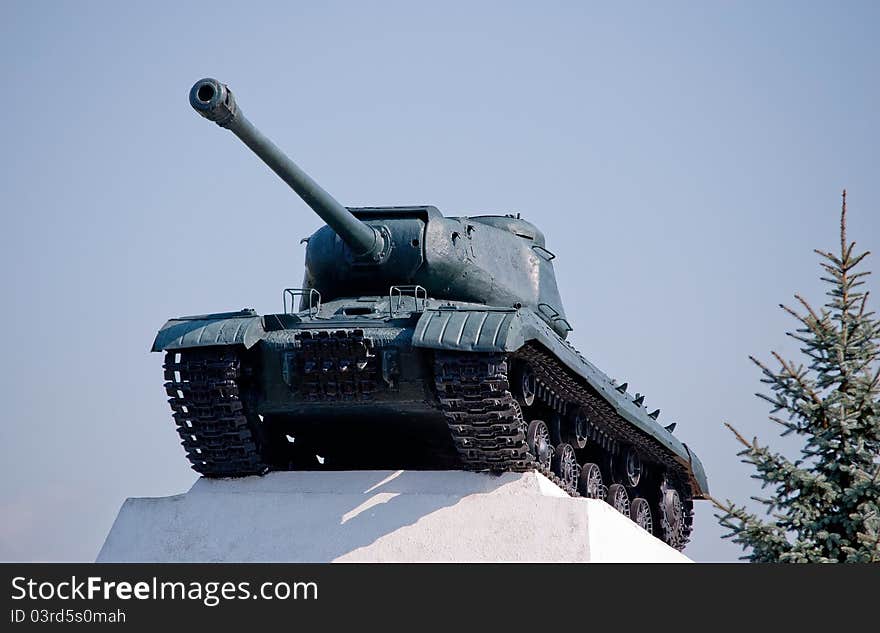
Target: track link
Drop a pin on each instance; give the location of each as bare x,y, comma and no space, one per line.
484,418
203,389
473,391
558,385
488,428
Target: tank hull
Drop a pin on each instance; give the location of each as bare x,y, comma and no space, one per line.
436,386
398,369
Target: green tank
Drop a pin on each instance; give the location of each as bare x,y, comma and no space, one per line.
416,341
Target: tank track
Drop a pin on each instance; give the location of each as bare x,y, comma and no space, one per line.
473,391
557,386
488,428
484,418
203,390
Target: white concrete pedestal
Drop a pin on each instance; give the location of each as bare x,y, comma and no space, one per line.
378,516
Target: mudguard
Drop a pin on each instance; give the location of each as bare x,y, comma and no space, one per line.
225,328
507,330
469,330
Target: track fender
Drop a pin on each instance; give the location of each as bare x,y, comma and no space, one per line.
470,330
699,481
227,328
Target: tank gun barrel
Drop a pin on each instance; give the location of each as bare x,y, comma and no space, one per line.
214,101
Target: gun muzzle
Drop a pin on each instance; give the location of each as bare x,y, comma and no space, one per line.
214,101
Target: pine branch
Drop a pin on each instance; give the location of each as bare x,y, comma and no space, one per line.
824,506
798,377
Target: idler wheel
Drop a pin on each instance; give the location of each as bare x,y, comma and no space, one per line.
565,465
538,440
632,464
590,483
526,384
577,428
640,513
618,498
671,517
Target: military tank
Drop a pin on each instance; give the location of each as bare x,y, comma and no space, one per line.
416,341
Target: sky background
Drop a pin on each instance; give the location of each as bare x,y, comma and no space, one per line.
683,160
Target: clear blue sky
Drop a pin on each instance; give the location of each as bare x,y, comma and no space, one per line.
683,160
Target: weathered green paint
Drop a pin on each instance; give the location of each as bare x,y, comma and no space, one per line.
489,282
232,328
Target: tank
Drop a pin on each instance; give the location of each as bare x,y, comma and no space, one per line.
416,341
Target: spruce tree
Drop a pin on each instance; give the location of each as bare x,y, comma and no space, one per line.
825,505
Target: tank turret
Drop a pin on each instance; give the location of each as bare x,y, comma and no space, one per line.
496,260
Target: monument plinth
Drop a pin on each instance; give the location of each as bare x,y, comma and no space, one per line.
378,516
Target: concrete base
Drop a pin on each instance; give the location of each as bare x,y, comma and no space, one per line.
378,516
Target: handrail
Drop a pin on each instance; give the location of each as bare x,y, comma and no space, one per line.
314,306
418,292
